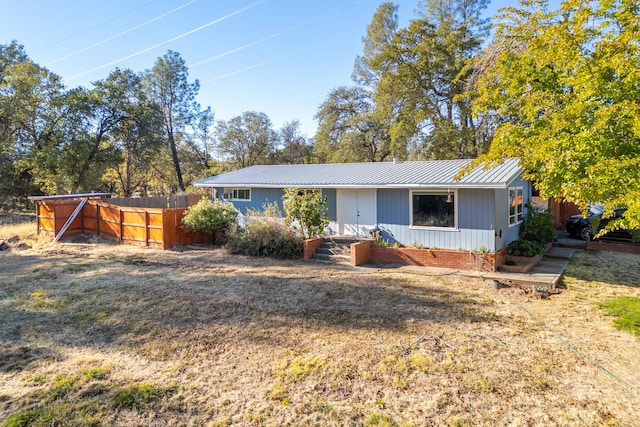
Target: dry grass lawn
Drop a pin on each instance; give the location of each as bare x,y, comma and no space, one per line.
104,334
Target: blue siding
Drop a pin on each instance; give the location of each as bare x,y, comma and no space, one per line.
330,194
482,215
475,221
259,196
509,233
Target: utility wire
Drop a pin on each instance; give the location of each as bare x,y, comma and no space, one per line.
86,30
251,67
108,39
264,39
140,52
254,43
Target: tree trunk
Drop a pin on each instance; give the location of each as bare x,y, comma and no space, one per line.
176,161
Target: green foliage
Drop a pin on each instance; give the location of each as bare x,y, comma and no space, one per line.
384,244
210,217
422,79
248,139
306,209
349,129
140,396
526,248
30,418
626,309
565,84
537,226
167,84
265,234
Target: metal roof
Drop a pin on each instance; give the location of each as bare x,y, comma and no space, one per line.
416,174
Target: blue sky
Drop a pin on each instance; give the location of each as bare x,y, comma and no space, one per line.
280,57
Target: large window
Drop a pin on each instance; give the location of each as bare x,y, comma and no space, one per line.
433,209
237,194
515,205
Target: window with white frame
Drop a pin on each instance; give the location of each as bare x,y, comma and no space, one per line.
237,194
433,209
516,205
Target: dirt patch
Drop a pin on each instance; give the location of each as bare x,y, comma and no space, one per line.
119,335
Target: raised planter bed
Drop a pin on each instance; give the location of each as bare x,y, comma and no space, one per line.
519,264
367,253
632,248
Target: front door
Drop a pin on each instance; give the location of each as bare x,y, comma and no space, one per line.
356,212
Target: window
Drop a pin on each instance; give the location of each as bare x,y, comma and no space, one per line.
433,209
237,193
515,205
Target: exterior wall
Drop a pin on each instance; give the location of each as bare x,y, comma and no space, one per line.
259,196
332,209
509,233
482,217
475,212
365,253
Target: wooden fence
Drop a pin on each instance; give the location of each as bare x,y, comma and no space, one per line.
154,227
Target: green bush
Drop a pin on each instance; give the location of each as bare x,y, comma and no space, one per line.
210,217
266,235
537,226
307,209
526,248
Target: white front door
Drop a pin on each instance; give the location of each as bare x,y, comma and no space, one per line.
356,212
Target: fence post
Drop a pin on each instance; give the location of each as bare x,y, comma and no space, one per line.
98,219
120,216
38,218
146,228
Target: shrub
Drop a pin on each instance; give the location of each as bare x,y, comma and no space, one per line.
537,226
307,209
266,235
526,248
210,217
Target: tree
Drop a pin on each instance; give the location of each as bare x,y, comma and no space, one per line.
379,35
566,85
349,129
16,181
422,78
295,149
168,85
33,107
307,209
137,137
248,139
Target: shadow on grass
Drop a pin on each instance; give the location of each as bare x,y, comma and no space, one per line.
129,300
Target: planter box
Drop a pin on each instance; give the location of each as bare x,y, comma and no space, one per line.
366,253
631,248
519,264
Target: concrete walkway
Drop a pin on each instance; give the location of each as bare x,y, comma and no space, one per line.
546,274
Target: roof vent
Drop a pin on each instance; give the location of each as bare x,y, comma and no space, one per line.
395,161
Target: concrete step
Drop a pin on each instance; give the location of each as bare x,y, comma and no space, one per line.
560,252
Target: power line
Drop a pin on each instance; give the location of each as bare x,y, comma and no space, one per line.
264,39
86,30
242,70
108,39
140,52
248,45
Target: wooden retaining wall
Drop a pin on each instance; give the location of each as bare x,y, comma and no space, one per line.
153,227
